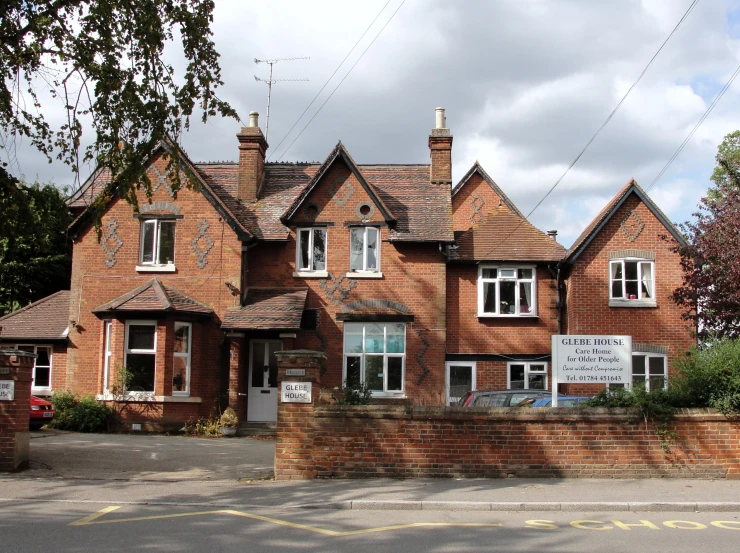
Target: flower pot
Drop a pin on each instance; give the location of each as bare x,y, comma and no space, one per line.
228,430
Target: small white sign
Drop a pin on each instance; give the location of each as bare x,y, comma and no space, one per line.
296,392
7,390
295,372
591,359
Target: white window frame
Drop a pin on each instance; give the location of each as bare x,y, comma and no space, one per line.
303,270
499,278
107,355
363,355
364,251
187,356
647,357
35,347
527,371
450,364
624,300
154,263
153,351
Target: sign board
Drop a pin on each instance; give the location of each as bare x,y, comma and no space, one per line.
7,390
295,372
4,370
590,359
296,392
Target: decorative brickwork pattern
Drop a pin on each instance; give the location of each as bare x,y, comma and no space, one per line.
477,204
167,207
369,211
111,243
632,225
649,348
338,184
163,181
639,254
202,252
337,289
375,304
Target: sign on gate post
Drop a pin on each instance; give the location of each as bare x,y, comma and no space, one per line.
590,359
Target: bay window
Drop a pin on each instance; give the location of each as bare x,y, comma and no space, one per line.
141,355
375,355
181,359
506,291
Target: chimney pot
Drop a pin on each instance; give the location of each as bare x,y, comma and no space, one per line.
440,151
254,119
441,121
553,234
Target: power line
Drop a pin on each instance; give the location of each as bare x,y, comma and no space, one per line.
328,80
344,78
604,124
698,124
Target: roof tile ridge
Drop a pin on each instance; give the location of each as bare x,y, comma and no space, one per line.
162,294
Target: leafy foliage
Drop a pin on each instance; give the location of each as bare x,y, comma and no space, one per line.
79,414
229,418
728,162
35,253
353,394
101,63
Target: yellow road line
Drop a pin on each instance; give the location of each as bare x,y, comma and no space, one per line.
92,519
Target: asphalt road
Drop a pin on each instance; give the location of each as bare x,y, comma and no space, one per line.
32,526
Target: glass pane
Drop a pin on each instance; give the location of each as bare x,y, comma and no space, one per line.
657,383
638,365
525,297
180,374
395,374
656,366
489,297
353,343
498,400
29,349
372,249
41,377
646,287
516,376
166,242
303,239
356,246
536,368
42,357
319,250
631,287
395,344
141,337
617,271
536,381
147,242
374,372
353,371
141,367
273,347
182,338
617,289
489,273
374,338
461,382
630,269
507,303
516,399
525,273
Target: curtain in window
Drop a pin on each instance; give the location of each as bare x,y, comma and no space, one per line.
617,291
525,297
647,280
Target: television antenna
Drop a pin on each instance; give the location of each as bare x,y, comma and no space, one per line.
270,81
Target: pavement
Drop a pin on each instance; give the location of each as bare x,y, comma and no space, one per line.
237,473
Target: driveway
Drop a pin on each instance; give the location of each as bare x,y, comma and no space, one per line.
145,457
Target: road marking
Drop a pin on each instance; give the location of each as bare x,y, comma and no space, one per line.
93,519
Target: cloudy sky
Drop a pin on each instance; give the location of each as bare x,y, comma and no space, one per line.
525,84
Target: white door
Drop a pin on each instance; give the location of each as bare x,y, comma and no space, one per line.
263,393
460,379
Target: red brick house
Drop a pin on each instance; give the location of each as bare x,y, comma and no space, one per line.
418,288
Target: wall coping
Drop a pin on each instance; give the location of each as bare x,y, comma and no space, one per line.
301,353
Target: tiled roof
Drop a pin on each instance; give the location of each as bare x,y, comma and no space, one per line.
610,208
155,297
46,319
90,189
504,236
477,168
268,309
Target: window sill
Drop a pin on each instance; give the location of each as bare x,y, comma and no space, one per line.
169,268
633,303
43,392
493,316
144,398
311,274
364,275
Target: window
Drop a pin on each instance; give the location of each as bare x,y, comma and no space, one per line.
108,326
41,367
649,370
527,376
375,354
506,291
631,279
311,250
181,359
364,250
141,355
157,242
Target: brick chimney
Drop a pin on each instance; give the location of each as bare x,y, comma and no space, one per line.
252,149
440,151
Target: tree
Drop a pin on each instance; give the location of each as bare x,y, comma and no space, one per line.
728,161
710,292
102,63
35,253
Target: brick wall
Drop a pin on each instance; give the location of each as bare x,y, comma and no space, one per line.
474,199
95,283
382,441
15,366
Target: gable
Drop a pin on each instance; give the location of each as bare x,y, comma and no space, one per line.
475,196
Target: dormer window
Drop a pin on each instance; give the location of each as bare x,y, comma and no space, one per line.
157,245
364,250
311,250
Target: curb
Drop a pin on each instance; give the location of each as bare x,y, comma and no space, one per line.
575,506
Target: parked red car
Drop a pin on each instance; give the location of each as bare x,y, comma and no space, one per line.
41,412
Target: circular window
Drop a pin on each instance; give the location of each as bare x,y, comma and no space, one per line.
311,211
365,211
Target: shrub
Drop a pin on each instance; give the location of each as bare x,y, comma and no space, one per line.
229,418
79,414
353,394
